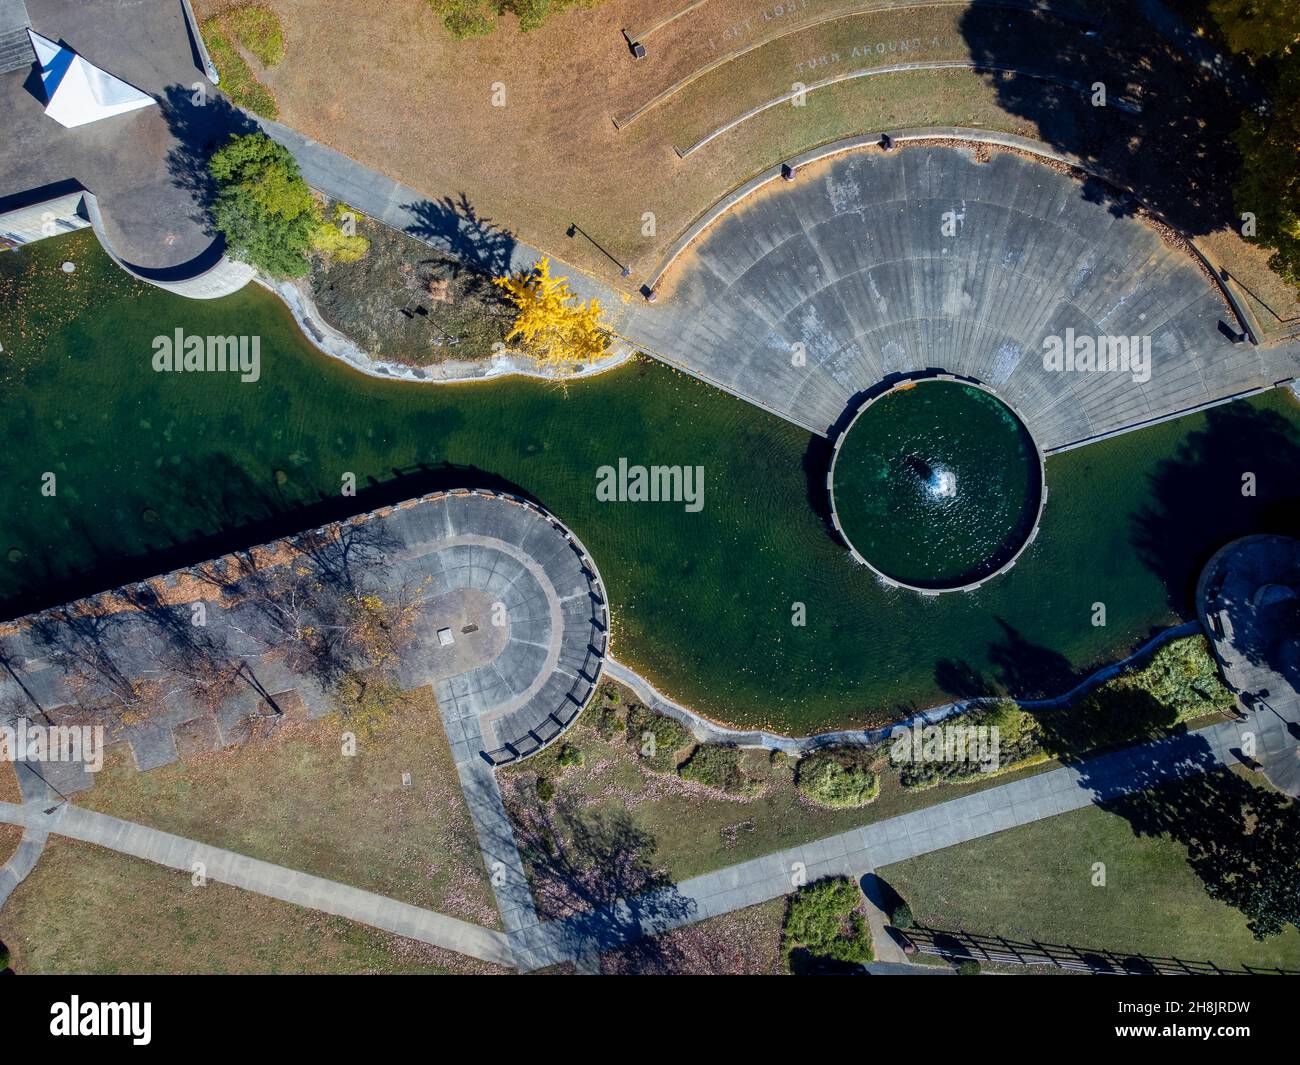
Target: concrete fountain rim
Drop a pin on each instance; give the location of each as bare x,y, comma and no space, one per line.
907,383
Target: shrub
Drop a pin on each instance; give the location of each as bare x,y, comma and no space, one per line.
1020,743
968,967
1184,675
900,916
1179,684
608,723
545,789
365,704
571,755
657,738
824,919
718,767
1012,723
837,780
335,245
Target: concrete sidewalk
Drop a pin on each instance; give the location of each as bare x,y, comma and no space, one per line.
274,881
932,828
448,224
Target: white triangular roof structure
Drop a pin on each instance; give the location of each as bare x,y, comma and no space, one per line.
76,92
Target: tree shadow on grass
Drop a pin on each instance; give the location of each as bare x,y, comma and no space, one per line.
1197,496
1242,840
1161,106
593,871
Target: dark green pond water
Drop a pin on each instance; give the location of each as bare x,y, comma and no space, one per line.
937,484
154,470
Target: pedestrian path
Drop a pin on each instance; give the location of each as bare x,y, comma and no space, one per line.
931,828
264,878
447,224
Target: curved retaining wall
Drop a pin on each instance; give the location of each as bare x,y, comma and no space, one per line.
208,283
917,134
1042,487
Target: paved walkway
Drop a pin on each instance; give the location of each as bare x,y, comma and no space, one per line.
448,224
933,828
274,881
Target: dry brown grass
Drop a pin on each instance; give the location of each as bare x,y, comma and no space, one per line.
391,87
85,909
294,799
10,835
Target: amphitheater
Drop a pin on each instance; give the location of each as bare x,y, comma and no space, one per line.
805,295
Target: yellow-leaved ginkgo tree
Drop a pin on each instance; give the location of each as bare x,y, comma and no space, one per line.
552,325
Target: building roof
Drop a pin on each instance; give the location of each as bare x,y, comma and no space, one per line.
77,92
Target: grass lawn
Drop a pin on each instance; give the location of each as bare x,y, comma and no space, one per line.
84,909
552,154
697,829
295,800
10,835
1035,882
868,42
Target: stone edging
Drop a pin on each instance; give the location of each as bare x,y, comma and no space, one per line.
337,345
911,382
707,731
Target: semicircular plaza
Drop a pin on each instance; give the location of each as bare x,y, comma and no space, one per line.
524,609
508,622
805,295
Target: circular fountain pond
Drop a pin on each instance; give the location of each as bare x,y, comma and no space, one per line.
936,485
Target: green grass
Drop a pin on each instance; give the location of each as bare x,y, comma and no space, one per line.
698,829
295,800
1035,882
238,81
258,29
87,910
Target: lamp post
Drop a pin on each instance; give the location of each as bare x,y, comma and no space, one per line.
575,229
